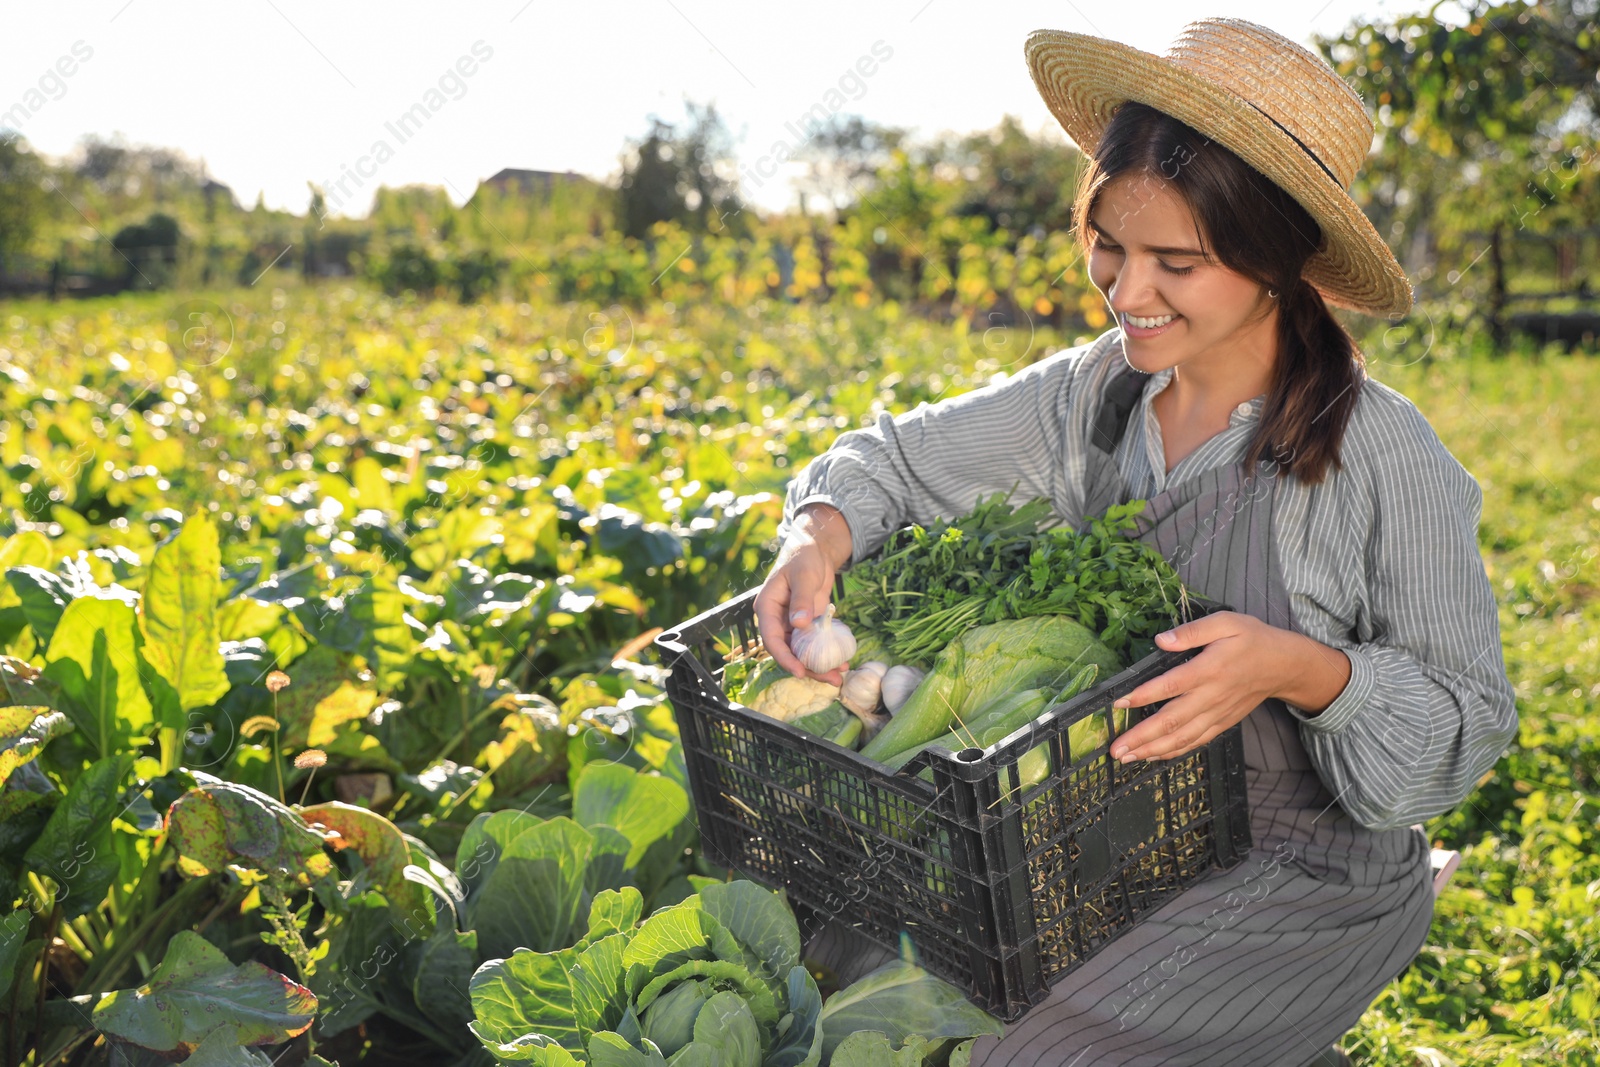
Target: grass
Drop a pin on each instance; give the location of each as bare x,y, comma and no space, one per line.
1511,971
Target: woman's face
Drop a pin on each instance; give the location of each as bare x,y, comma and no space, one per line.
1147,261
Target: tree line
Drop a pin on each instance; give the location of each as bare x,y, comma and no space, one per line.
1485,179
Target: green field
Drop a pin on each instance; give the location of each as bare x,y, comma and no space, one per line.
444,521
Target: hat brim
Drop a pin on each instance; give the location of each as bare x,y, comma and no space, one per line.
1084,79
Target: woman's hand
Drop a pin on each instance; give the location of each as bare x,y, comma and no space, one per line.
798,586
1244,662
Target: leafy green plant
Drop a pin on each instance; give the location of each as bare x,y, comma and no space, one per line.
197,994
594,490
930,584
713,979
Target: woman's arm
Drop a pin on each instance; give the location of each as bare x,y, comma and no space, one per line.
828,528
939,459
1428,707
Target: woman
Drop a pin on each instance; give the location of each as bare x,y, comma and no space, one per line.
1363,658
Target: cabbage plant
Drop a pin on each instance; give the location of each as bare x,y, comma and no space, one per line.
712,981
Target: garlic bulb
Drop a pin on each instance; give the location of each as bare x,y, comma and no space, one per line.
825,644
862,687
898,685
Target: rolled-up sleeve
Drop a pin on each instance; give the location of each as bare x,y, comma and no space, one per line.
1428,707
939,459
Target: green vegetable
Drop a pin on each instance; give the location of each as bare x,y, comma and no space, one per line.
1011,718
902,1002
1035,763
1004,717
713,979
530,881
824,722
1023,706
736,675
669,1022
985,663
928,585
735,943
835,722
847,735
196,991
1020,708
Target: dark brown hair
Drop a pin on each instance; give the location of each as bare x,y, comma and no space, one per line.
1254,228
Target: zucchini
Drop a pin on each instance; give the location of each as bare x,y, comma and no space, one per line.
983,665
1020,708
1004,717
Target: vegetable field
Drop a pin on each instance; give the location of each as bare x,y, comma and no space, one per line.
326,683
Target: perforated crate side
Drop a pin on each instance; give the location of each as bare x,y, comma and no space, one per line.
1082,855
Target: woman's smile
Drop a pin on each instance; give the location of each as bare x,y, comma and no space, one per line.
1140,328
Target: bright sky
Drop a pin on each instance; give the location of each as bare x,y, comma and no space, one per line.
276,93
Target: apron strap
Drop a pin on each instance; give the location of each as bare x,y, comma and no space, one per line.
1117,404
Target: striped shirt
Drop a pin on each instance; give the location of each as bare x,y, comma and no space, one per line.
1381,560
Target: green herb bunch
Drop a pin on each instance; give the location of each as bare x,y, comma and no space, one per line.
929,585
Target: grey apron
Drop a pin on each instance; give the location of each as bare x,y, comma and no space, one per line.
1268,962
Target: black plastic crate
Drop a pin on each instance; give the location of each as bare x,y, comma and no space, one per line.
1002,892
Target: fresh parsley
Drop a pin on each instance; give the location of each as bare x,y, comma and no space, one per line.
930,584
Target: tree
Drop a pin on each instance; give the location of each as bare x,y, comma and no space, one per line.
22,197
161,175
1016,182
1023,184
1487,129
649,192
148,249
316,216
423,211
104,162
842,157
689,178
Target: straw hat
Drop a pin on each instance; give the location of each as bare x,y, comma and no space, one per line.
1270,101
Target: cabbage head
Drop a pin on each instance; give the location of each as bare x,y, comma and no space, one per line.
712,981
715,979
